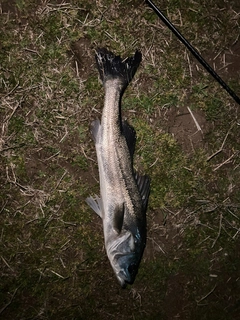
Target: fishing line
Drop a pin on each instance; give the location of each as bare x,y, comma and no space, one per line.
193,51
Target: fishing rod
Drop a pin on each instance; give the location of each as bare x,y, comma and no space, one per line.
193,51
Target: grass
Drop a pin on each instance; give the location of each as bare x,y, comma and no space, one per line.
53,263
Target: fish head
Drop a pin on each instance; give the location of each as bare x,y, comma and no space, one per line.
124,255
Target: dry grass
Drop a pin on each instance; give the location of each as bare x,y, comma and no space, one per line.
53,263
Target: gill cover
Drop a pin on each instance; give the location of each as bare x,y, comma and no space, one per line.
123,258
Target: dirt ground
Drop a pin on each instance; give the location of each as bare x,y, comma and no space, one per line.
184,290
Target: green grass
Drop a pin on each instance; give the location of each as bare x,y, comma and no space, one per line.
53,263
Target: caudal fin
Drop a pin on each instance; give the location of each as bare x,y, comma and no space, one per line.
111,66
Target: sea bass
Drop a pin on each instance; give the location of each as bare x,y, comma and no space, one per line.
123,192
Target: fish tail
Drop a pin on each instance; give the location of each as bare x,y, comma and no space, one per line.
111,66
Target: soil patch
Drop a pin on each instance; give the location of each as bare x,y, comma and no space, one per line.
83,57
188,127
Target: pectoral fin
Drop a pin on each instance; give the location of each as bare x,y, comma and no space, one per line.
95,129
95,204
118,217
143,183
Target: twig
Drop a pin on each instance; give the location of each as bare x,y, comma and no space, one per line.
157,245
65,134
221,148
62,263
14,179
77,70
14,110
189,66
153,164
7,264
233,214
57,274
54,155
13,147
136,295
8,304
32,51
86,155
219,230
194,119
8,94
60,180
236,233
3,207
207,295
224,162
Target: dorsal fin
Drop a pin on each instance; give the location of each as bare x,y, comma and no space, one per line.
143,183
130,135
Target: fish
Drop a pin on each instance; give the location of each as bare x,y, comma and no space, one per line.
124,193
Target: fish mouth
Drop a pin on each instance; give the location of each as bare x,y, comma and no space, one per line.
124,279
125,266
127,276
122,282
